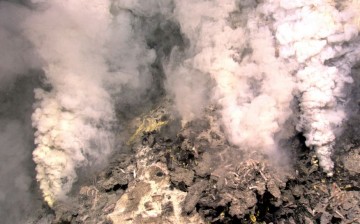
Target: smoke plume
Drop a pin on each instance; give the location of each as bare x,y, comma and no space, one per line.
72,117
253,87
86,67
101,59
312,33
90,58
252,51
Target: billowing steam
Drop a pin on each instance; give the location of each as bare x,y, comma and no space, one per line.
252,58
74,117
313,33
237,50
252,51
89,56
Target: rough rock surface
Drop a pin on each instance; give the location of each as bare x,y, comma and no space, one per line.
196,176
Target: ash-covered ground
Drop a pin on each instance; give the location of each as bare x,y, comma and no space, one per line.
193,175
179,111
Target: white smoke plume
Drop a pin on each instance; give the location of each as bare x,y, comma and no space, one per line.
250,57
311,33
253,87
89,54
71,118
93,57
251,50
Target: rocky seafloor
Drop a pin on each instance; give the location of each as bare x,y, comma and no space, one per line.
191,174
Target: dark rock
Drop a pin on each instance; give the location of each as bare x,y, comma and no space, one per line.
193,196
205,166
182,175
273,188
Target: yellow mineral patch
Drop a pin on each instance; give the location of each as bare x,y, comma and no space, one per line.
148,123
253,218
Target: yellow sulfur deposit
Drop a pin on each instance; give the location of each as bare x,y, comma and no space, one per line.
149,122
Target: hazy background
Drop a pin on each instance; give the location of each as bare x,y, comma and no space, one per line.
72,73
